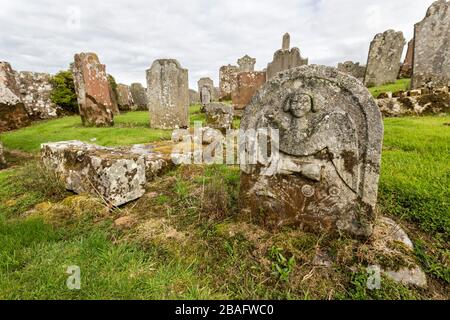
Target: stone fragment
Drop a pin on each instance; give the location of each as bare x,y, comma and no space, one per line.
139,96
353,69
432,47
246,64
383,62
117,175
322,173
168,95
13,114
93,91
124,98
285,59
227,79
35,89
219,115
407,66
247,84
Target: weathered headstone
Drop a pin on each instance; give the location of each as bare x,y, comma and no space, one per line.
406,68
139,96
322,173
168,94
93,91
2,157
383,62
206,90
13,114
194,97
247,84
112,88
227,79
432,47
219,115
246,64
124,97
35,89
353,69
285,58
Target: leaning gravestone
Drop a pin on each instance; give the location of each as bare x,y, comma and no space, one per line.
13,114
383,62
168,94
93,91
432,47
324,174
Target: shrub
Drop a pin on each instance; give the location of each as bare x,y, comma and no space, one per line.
63,92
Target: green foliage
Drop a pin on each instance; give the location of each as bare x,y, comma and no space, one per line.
113,84
399,85
281,266
63,92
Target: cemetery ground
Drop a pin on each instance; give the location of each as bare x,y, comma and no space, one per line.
184,238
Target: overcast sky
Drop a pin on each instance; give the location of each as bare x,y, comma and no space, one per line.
43,35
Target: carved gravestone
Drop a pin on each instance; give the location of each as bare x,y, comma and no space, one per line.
227,81
383,62
13,114
322,174
139,96
124,97
93,91
285,59
432,47
246,64
168,94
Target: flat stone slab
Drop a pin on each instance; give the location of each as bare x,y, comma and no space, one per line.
118,175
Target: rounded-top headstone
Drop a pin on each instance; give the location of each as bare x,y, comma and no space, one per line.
325,173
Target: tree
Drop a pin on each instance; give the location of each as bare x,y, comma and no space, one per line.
63,93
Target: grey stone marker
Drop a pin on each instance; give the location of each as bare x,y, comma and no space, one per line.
432,47
285,58
325,175
246,64
139,96
168,94
384,60
219,115
353,69
206,90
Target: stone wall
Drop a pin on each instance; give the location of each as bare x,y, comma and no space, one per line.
383,62
431,47
168,94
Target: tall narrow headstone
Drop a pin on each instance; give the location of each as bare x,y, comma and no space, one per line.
286,45
93,91
320,166
227,81
168,94
432,47
383,62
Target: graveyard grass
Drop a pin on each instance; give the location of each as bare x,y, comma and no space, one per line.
187,241
399,85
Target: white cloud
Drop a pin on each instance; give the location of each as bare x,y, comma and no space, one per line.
202,34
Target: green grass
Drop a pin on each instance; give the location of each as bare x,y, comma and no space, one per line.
399,85
202,202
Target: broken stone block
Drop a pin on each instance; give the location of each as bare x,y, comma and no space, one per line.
93,91
321,172
168,95
431,47
117,175
383,62
219,115
13,114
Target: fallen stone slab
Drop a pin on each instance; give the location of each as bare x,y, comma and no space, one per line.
118,175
